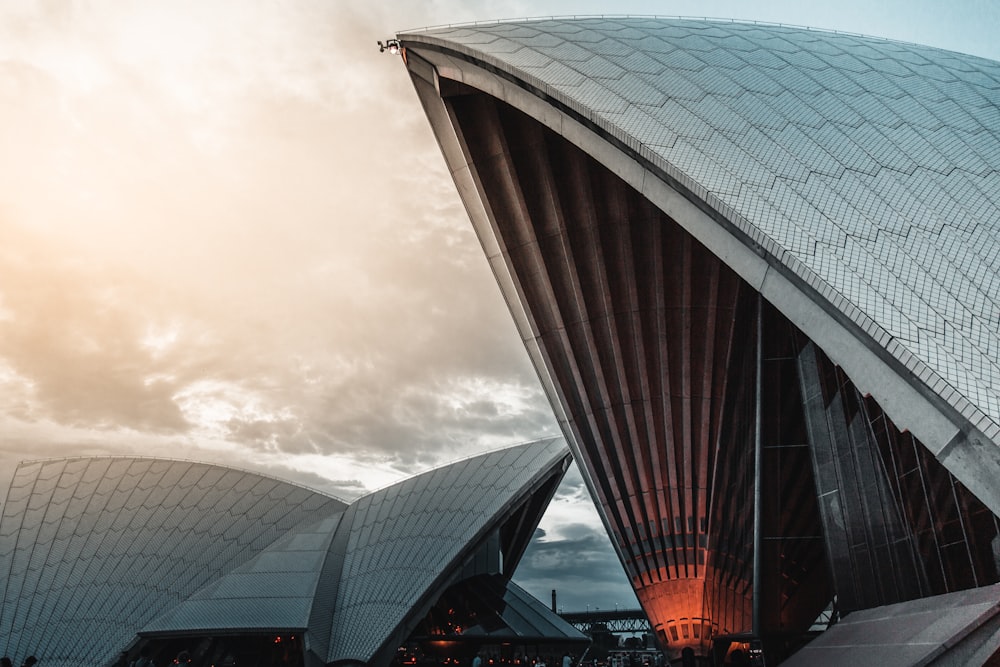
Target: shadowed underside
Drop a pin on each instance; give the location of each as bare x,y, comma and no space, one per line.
638,322
649,339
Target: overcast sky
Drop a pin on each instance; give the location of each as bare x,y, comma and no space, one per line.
227,235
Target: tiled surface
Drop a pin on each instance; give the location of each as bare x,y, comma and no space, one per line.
870,167
403,536
93,548
273,590
908,633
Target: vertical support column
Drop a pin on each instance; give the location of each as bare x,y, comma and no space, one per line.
869,547
758,461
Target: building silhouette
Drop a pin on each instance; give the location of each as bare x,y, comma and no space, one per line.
757,269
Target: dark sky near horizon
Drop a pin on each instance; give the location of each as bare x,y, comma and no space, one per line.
227,235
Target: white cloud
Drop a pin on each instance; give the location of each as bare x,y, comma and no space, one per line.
226,233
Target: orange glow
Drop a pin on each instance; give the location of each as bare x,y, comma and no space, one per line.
678,609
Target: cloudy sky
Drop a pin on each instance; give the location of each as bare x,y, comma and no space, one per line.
226,235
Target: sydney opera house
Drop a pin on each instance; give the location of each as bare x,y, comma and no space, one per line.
757,269
103,555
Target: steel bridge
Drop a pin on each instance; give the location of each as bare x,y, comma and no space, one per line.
616,620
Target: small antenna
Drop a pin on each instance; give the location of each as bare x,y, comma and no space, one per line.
391,45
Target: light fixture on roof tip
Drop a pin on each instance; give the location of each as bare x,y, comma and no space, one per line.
391,45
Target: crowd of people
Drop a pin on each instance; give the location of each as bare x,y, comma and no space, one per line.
481,660
143,660
183,658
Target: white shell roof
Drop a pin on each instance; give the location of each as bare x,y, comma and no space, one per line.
273,591
869,168
95,550
408,536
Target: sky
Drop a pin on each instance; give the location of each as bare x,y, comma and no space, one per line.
227,235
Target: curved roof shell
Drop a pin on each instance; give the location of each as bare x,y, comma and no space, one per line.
273,591
408,540
95,550
853,181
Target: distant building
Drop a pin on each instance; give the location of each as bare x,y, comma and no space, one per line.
757,269
100,555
